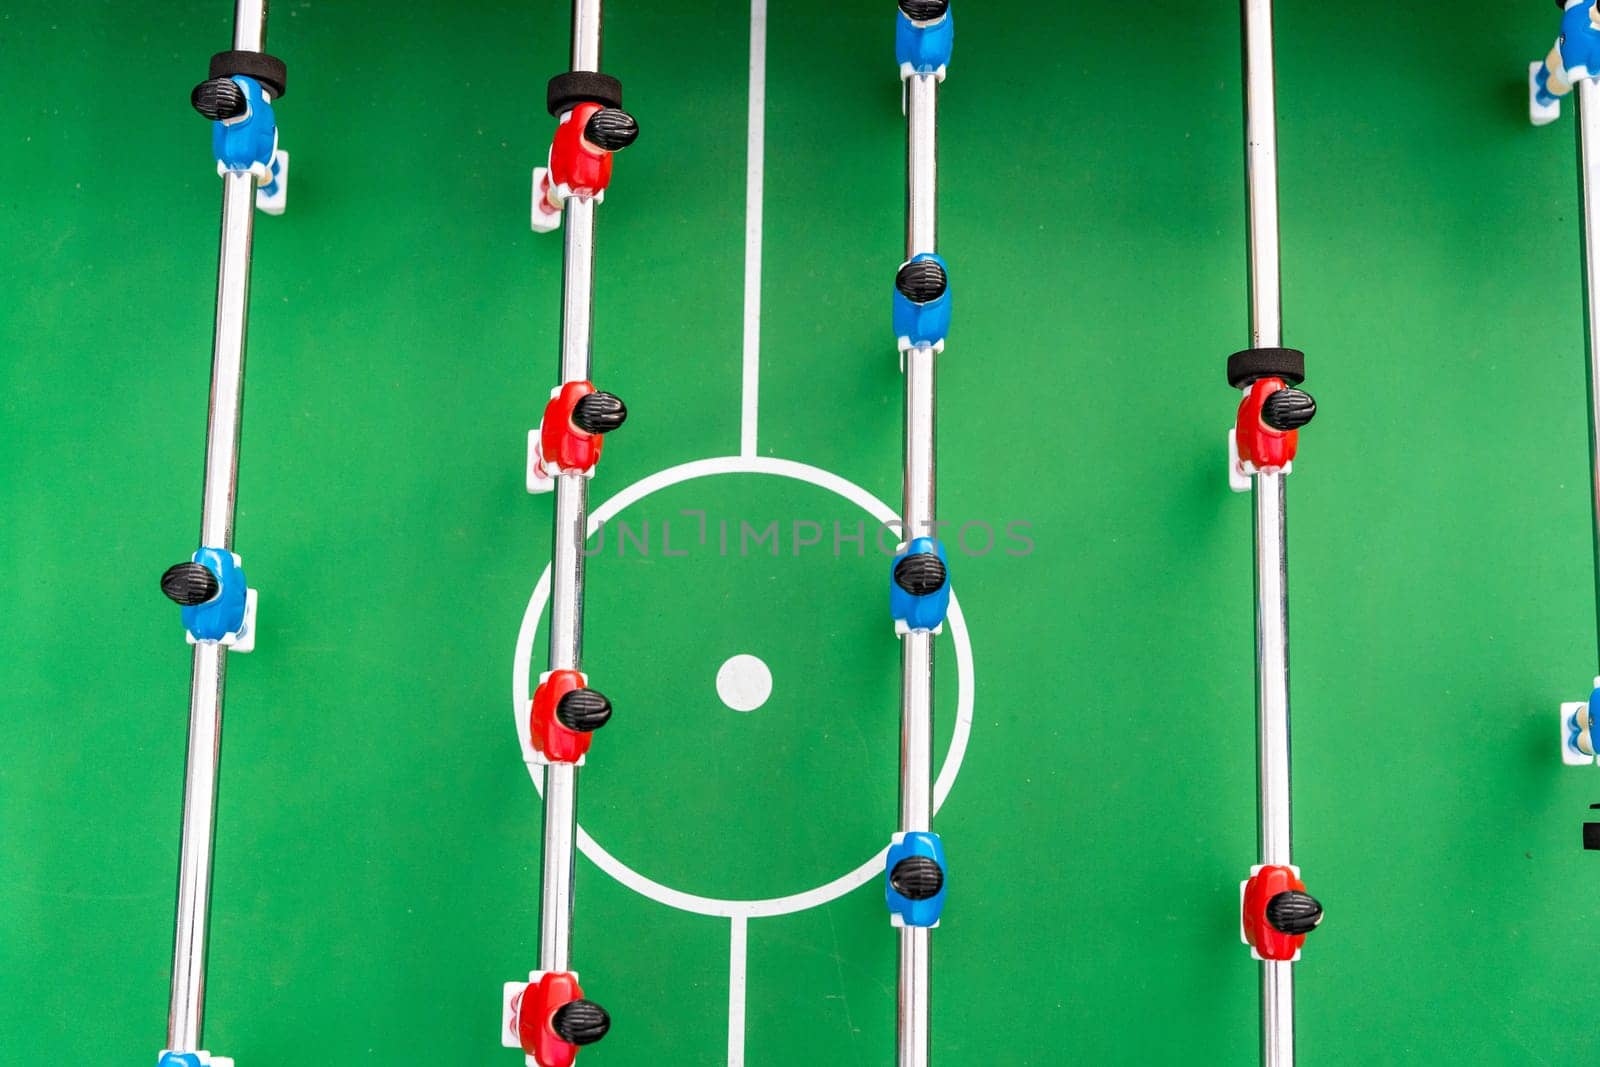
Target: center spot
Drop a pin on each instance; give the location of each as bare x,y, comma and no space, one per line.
744,683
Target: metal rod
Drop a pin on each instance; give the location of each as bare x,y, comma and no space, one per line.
914,996
586,35
577,289
1261,175
185,1014
1271,556
1272,670
914,990
922,167
567,562
1588,95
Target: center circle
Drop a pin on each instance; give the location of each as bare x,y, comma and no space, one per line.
744,682
594,851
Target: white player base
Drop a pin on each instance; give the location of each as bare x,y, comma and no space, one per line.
1569,755
508,1011
538,480
244,639
274,204
1540,114
542,219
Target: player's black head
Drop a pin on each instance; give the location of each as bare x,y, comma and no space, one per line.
920,574
599,413
611,128
580,1022
218,98
917,878
924,10
1294,913
921,281
583,710
1288,409
190,584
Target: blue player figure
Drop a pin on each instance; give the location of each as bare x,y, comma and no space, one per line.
919,587
922,303
244,135
924,36
216,601
1574,57
914,879
192,1059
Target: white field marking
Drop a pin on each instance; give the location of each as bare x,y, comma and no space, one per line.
744,682
521,690
738,951
755,163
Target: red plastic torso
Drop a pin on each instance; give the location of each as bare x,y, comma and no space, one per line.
555,741
1260,444
564,445
1269,943
576,163
539,1002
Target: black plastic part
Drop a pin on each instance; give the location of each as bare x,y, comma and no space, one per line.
920,574
917,878
1591,836
190,584
599,413
268,70
566,91
921,281
1286,363
924,10
611,128
1288,409
218,99
580,1022
1294,913
583,710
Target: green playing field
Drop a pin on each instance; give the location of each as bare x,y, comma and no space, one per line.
377,851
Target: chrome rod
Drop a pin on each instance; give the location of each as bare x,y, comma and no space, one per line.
185,1013
586,35
1271,555
567,562
922,168
914,996
914,989
1272,670
1588,95
1261,174
577,289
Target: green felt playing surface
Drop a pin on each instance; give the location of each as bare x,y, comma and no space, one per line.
377,851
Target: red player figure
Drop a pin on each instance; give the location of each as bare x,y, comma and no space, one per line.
551,1020
565,712
1267,431
1278,913
571,433
580,159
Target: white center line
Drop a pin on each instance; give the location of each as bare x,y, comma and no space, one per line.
736,981
755,162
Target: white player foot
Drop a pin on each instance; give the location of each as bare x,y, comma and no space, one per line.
544,218
1540,114
539,479
278,199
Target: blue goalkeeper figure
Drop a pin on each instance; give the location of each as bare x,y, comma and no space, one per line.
1575,56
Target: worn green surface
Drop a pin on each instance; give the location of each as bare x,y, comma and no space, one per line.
376,864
